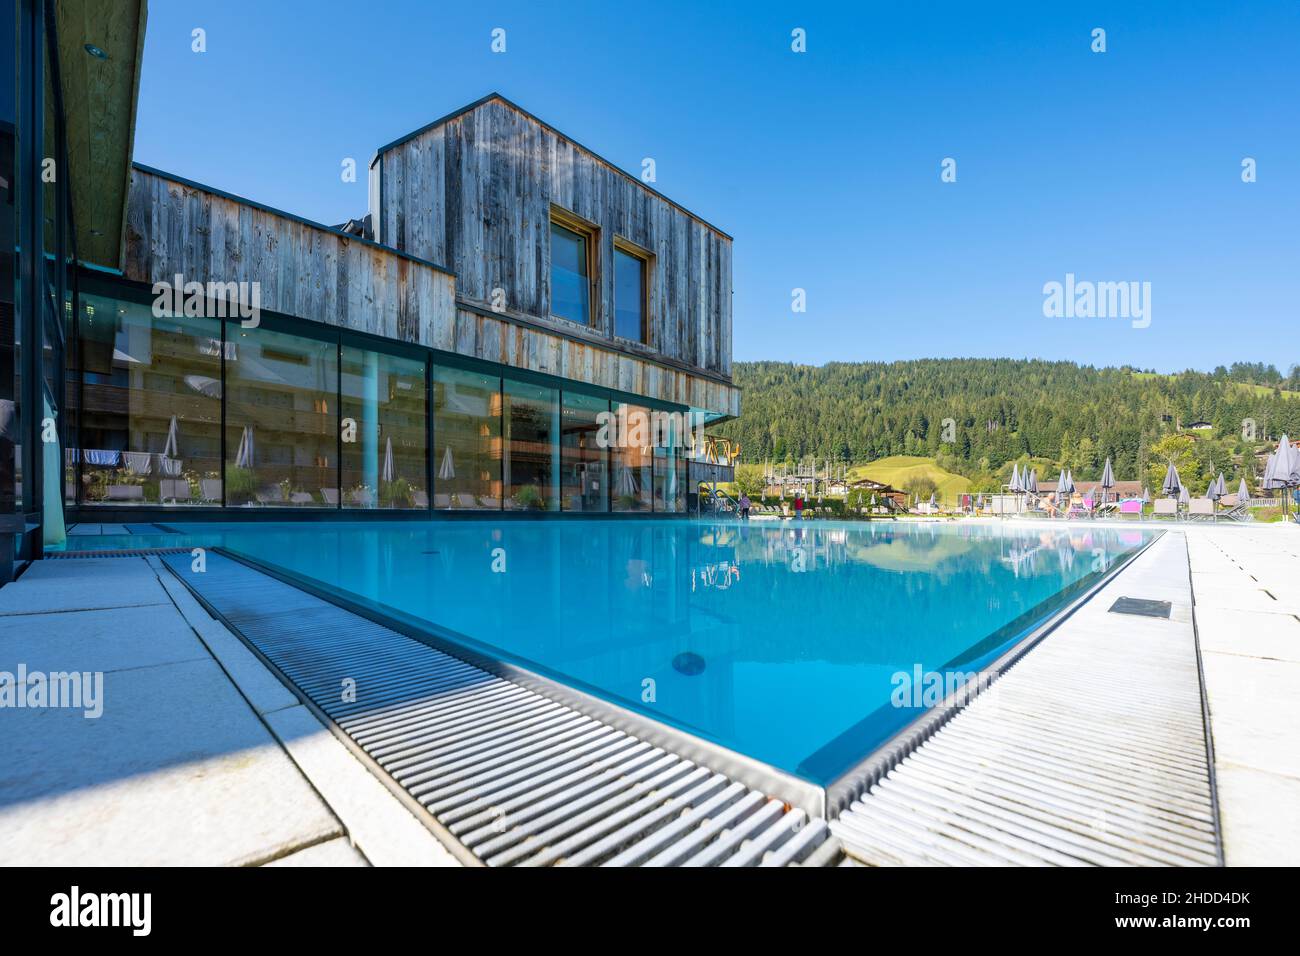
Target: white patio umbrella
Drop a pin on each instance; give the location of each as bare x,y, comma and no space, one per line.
625,485
170,448
168,462
447,470
386,473
244,457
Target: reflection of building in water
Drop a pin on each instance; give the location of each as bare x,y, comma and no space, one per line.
807,548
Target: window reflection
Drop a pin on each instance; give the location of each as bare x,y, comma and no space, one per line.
584,467
532,452
384,463
151,424
282,423
466,440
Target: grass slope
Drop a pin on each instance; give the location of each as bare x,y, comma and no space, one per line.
897,469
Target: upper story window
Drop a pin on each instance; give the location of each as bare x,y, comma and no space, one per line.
573,251
631,281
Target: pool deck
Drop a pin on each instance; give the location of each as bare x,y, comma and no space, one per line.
205,757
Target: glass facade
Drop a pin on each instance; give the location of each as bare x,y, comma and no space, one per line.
37,248
194,412
467,440
151,423
632,460
283,428
530,468
385,449
584,465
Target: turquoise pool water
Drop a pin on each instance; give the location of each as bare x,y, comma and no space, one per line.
778,640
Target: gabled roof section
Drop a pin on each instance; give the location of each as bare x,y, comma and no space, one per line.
498,98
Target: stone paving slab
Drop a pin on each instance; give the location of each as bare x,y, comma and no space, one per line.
336,852
82,584
105,640
178,770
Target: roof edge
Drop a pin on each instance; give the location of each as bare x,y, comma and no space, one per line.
254,204
506,101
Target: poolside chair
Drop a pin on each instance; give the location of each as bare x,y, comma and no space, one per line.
210,488
331,496
442,501
1239,512
421,499
1200,509
301,498
126,492
174,489
1165,508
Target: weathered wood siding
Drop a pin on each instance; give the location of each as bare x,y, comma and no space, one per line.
303,270
316,274
474,193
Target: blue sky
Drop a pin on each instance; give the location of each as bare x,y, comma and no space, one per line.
825,165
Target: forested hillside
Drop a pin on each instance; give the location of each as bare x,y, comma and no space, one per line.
1004,410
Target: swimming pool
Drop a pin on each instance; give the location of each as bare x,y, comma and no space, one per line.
783,642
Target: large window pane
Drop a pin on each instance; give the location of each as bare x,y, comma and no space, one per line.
532,447
570,285
151,425
632,459
584,471
629,295
281,419
466,440
384,455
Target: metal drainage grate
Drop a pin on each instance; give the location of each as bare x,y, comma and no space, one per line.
1141,607
118,553
516,778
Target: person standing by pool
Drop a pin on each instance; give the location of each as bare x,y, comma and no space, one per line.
798,506
744,504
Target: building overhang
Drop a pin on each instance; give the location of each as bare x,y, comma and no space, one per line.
100,53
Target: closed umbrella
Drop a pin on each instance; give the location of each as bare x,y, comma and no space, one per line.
244,458
932,501
1172,484
1218,488
1033,481
1014,484
1243,493
170,448
1107,480
167,461
1286,468
386,473
447,470
1183,496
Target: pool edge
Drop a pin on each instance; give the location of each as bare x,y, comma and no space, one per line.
864,774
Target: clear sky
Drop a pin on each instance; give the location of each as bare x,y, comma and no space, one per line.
825,165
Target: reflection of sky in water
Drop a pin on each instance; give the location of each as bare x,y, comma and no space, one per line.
800,627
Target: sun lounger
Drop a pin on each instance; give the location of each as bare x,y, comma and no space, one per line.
1165,508
126,492
174,489
442,501
211,489
331,496
1200,509
421,499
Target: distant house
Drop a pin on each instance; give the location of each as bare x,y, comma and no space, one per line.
879,489
1200,426
1121,489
